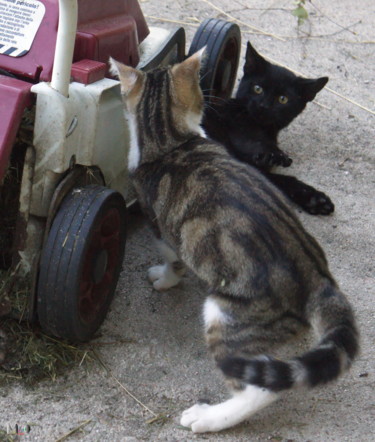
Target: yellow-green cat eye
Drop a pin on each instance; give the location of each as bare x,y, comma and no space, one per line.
258,89
283,99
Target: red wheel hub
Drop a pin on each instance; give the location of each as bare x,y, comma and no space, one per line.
99,265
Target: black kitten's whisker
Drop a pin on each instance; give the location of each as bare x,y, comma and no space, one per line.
201,77
215,97
212,108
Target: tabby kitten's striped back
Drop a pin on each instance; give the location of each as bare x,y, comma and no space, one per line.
267,278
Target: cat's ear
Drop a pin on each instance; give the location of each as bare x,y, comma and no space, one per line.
127,75
190,66
308,88
253,61
185,75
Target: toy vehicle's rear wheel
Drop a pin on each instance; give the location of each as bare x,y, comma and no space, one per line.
223,46
81,262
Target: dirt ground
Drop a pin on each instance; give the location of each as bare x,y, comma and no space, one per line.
151,344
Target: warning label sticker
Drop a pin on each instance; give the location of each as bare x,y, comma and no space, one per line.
19,23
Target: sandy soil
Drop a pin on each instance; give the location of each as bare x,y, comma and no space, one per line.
157,351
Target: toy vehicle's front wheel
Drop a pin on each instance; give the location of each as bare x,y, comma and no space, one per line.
81,262
223,46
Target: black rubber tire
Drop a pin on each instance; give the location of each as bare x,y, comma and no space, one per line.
81,262
223,47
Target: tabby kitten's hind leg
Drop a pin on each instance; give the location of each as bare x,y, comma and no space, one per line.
246,400
307,197
169,274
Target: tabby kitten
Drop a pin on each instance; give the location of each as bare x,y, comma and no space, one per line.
267,278
268,99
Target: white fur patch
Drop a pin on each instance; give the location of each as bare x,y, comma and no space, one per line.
166,252
212,314
134,154
299,373
129,80
202,52
203,418
202,132
193,122
163,277
113,68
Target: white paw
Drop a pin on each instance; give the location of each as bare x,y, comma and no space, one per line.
163,277
198,418
155,272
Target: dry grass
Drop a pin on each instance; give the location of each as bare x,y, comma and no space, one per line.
33,356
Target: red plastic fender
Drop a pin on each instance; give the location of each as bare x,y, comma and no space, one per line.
15,97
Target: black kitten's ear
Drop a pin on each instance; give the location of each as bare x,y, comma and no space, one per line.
308,88
253,61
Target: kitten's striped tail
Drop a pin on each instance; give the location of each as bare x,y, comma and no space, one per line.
330,313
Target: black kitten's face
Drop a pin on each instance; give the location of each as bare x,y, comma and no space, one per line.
271,97
274,96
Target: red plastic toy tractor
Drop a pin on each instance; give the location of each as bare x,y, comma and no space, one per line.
64,187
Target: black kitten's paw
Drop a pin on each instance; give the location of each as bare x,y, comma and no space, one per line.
315,202
309,199
270,159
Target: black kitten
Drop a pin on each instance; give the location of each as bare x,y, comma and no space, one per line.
269,97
